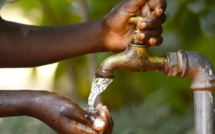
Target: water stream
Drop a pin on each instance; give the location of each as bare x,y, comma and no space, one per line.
98,86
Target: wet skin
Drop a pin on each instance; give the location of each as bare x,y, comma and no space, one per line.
59,112
30,46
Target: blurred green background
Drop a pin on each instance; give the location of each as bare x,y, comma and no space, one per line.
140,103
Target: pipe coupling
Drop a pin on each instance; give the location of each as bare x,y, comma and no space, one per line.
177,64
193,65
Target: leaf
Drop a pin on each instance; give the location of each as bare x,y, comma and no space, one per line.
171,8
207,22
197,6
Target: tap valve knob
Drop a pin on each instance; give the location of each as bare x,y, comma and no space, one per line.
134,20
134,41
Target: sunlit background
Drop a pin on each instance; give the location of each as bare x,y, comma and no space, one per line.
22,78
140,103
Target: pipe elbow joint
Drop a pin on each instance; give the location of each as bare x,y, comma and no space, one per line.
193,65
201,71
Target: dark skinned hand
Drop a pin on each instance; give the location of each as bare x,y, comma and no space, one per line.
117,31
66,117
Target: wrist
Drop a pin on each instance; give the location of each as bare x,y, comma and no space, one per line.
100,39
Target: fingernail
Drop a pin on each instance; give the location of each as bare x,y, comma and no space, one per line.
99,124
152,41
142,36
143,25
159,12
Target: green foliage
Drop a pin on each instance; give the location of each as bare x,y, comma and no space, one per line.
21,125
152,117
161,104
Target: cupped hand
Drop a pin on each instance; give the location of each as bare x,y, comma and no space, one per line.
66,117
105,115
117,30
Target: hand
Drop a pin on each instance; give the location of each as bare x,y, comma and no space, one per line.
104,113
66,117
117,31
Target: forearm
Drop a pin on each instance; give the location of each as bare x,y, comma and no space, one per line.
28,46
15,103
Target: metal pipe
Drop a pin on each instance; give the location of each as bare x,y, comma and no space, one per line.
203,106
202,73
193,65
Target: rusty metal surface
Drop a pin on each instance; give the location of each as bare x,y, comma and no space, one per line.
193,65
201,71
135,59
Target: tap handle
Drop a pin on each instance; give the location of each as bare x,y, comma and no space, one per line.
134,20
134,41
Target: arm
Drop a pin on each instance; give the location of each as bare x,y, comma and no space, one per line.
57,111
29,46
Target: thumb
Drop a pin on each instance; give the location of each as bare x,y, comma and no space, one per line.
159,6
130,7
86,118
145,10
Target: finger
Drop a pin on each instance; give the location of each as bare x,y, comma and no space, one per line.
73,127
91,120
155,41
108,113
99,106
158,11
145,10
159,6
152,22
133,5
129,8
149,33
110,125
104,107
103,114
106,116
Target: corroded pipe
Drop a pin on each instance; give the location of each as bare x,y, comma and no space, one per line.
135,59
193,65
201,71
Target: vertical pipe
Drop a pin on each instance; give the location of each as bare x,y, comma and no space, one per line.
203,106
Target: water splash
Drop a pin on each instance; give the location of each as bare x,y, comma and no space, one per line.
98,86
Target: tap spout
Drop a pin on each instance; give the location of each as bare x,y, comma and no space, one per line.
134,59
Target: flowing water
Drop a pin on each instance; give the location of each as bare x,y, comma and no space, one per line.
98,86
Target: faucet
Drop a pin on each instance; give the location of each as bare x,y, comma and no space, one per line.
135,58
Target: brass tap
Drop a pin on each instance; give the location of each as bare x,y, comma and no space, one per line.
135,58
